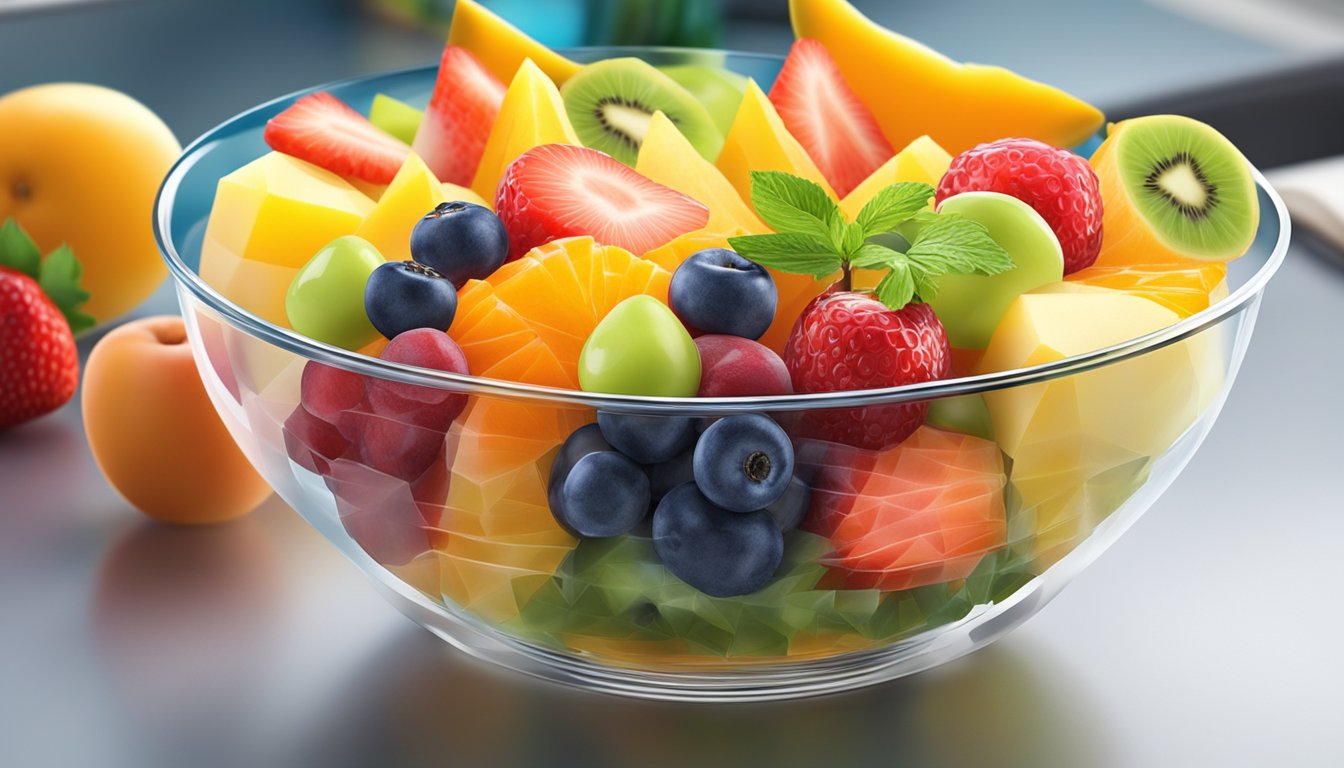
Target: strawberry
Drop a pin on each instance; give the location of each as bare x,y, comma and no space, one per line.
39,300
326,132
827,117
1060,185
558,190
461,112
849,340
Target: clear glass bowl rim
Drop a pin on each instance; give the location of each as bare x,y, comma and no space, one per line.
188,279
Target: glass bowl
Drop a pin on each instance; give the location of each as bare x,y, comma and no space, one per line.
468,548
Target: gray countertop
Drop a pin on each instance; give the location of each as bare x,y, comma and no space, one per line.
1206,636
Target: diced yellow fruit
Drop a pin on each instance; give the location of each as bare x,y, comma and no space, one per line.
758,141
667,157
531,114
255,286
414,191
959,105
502,47
921,160
279,210
1183,290
671,255
454,192
1081,443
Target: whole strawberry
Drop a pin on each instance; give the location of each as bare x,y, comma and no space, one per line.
851,340
1060,185
39,365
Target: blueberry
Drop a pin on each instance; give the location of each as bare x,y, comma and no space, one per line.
647,439
402,296
718,291
718,552
595,491
744,462
667,475
460,241
790,509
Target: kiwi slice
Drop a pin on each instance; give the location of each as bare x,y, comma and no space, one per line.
1184,182
719,90
611,102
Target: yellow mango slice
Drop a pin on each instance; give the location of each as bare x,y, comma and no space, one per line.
758,141
667,157
502,47
921,160
466,195
1081,444
279,210
959,105
414,191
531,114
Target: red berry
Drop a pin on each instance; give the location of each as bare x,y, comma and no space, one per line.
324,131
1060,185
820,109
558,190
461,112
847,341
39,366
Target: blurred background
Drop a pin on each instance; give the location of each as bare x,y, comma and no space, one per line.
1204,637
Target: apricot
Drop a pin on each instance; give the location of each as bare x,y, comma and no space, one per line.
154,432
81,164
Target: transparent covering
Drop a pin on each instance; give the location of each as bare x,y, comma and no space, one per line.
908,557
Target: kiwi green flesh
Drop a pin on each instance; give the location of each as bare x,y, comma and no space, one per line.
719,90
1190,184
610,103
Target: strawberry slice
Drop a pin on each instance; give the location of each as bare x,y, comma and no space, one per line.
557,190
825,115
457,122
326,132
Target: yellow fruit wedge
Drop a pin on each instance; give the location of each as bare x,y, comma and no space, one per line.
502,47
455,192
531,114
758,141
921,160
414,191
256,286
279,210
959,105
668,158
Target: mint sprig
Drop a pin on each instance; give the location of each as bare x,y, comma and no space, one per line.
58,274
813,238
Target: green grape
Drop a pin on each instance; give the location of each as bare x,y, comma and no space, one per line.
640,348
326,299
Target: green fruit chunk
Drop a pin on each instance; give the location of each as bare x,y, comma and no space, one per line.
967,414
640,348
719,90
970,306
326,299
395,117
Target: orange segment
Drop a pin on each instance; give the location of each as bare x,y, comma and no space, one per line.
1184,290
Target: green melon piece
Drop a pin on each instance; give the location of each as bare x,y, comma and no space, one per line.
395,117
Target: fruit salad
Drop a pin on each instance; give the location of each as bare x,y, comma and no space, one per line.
683,232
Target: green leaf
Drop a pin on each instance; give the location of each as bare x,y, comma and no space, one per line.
60,281
947,245
18,251
893,206
875,256
852,239
897,288
794,205
788,252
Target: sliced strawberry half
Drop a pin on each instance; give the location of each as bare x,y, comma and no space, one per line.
825,115
326,132
558,190
461,112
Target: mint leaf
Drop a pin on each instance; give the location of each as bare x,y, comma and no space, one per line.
898,288
893,206
875,256
18,251
60,281
794,205
948,245
788,252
